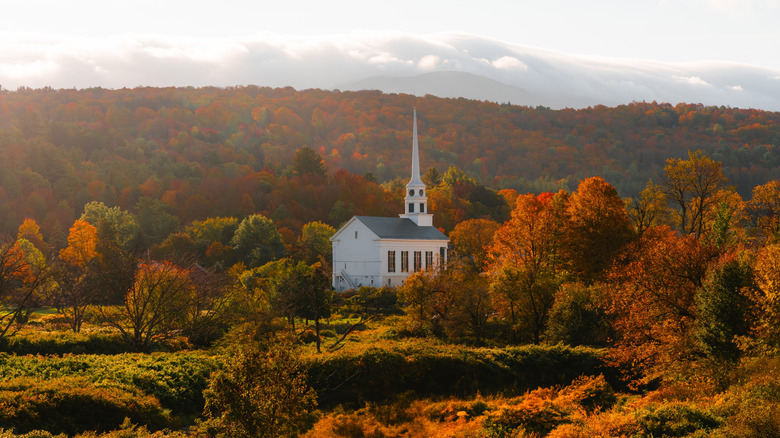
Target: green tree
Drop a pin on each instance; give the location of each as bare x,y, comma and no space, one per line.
431,178
154,220
259,393
313,244
257,241
577,318
529,296
304,291
126,226
725,309
308,162
210,230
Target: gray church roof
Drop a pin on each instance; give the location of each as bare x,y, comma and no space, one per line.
399,228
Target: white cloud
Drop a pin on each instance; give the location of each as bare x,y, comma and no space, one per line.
693,80
21,70
429,62
509,63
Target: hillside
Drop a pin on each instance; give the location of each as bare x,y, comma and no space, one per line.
204,152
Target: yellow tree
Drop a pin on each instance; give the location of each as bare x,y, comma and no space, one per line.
691,185
763,210
648,209
30,231
472,238
767,271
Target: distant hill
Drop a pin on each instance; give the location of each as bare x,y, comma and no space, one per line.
450,84
206,152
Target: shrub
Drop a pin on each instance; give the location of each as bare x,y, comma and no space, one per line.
377,374
676,420
260,393
60,343
536,413
592,393
72,405
177,380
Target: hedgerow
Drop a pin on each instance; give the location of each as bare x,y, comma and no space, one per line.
177,380
54,342
74,404
379,373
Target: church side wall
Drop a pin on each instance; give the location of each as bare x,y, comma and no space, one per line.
399,246
356,252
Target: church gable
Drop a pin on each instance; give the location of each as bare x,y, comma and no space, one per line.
354,227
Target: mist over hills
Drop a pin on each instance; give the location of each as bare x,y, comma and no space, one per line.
449,84
445,65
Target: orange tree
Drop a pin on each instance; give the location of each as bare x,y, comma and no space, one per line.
156,305
525,261
22,272
596,227
651,299
76,273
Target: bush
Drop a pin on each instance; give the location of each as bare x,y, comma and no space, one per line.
676,420
72,405
592,393
537,414
60,343
177,380
378,374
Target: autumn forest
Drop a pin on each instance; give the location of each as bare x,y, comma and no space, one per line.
613,271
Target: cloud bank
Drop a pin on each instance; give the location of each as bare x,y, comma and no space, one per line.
392,62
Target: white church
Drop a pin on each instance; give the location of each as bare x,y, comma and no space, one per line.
384,251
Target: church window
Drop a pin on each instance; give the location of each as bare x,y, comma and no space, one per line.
442,254
411,192
355,234
422,207
421,192
417,261
404,261
390,261
428,259
411,207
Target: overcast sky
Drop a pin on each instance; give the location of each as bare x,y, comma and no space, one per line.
128,43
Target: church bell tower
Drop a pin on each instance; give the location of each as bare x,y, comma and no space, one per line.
416,202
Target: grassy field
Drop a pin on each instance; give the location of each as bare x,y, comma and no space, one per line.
379,381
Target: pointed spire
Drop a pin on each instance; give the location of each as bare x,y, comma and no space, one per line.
416,180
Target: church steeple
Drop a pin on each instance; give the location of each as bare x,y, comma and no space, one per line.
415,202
415,156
